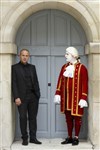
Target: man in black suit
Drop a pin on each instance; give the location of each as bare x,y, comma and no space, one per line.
26,92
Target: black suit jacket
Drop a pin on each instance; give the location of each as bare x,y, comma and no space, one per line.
18,81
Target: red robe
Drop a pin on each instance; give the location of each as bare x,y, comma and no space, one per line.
73,89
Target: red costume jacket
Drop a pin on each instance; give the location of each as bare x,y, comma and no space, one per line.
73,89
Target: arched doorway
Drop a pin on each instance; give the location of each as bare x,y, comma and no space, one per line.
17,13
46,34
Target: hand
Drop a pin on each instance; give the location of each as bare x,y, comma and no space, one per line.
83,103
57,99
18,101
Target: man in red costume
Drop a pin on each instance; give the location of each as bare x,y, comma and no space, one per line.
71,93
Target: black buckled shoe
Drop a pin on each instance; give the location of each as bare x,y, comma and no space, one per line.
35,141
75,141
67,141
25,142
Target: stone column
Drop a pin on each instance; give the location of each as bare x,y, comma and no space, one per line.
7,107
93,51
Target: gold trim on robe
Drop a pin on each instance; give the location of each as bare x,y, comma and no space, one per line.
73,89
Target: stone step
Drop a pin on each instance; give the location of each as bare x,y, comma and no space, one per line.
52,144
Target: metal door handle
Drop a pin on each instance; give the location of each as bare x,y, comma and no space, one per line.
49,84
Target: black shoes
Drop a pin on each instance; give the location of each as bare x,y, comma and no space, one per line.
75,141
25,142
67,141
35,141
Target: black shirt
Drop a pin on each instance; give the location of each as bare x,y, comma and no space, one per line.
28,81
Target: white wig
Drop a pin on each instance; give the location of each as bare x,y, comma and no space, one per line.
74,52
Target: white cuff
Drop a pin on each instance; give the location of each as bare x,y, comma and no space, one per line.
57,99
83,103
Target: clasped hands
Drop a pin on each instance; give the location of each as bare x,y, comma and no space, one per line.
82,102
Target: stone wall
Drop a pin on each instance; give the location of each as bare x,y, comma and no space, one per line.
94,93
13,13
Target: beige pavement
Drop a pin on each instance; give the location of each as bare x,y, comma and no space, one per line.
52,144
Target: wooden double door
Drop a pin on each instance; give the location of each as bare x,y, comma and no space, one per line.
47,34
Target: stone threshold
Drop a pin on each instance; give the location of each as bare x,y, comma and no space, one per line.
52,144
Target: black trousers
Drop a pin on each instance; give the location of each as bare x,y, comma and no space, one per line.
28,113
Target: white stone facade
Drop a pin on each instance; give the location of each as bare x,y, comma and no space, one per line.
13,13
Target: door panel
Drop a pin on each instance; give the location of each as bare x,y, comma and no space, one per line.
47,34
43,120
40,30
59,130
